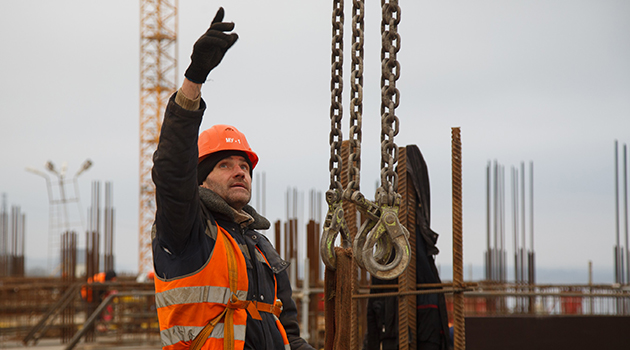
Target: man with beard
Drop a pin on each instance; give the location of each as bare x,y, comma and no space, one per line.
219,283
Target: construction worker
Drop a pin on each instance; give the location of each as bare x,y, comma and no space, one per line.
101,293
219,283
101,277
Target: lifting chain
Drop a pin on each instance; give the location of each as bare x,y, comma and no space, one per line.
335,223
390,97
387,231
356,102
381,235
374,242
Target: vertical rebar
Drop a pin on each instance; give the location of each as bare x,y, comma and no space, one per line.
4,271
278,236
502,248
625,210
458,271
488,225
314,274
407,337
531,219
403,279
495,262
351,276
68,268
515,225
22,252
590,286
294,248
108,230
502,228
523,231
14,240
617,265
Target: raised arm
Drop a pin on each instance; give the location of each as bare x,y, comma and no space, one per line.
175,159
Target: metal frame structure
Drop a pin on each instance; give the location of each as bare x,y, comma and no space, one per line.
59,219
158,80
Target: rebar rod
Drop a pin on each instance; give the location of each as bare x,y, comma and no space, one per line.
625,211
488,225
458,271
617,257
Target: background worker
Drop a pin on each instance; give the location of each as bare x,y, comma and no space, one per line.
211,266
95,293
101,292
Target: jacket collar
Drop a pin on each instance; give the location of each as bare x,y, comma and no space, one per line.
246,217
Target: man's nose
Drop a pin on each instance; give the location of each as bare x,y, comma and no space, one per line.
239,172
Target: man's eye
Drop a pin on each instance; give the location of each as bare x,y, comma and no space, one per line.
245,167
223,165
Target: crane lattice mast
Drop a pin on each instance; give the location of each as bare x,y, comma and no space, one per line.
158,80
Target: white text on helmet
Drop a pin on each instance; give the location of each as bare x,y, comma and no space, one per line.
232,140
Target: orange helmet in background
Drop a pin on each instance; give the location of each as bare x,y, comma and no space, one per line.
224,138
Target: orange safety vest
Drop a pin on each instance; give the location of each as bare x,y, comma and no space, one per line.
86,293
208,309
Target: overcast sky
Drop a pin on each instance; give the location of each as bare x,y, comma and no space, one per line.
546,82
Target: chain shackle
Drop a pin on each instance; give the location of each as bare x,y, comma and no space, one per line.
373,213
359,241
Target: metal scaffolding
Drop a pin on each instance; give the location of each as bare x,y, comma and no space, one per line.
158,80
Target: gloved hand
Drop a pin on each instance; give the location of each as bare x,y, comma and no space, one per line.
210,48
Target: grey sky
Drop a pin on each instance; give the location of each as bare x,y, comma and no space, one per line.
541,81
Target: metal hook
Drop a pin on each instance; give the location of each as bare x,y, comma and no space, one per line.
335,224
383,246
373,213
397,234
359,241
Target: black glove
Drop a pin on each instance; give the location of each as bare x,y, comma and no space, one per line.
210,48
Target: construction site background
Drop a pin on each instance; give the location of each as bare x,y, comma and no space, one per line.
50,313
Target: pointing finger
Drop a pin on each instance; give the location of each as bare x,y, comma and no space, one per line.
219,16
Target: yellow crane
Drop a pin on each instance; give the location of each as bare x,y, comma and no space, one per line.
158,80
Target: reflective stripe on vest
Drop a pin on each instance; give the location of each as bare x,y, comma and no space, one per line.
175,334
200,294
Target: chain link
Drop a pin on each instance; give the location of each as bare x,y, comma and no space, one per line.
335,223
383,231
356,102
336,89
390,98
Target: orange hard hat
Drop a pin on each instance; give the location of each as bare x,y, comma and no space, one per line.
224,138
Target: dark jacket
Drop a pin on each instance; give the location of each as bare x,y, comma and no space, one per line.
181,244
